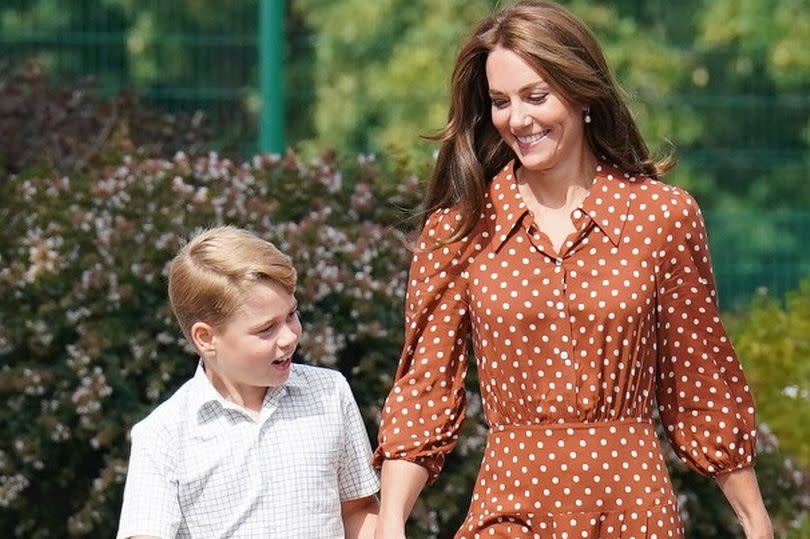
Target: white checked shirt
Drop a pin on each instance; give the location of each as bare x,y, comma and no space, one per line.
201,467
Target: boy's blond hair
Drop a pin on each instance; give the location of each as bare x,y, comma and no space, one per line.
210,276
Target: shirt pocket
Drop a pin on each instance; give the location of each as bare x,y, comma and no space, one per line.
220,474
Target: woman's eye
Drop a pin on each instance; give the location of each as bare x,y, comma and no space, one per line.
499,103
292,314
537,98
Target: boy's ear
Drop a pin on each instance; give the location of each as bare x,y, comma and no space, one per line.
202,335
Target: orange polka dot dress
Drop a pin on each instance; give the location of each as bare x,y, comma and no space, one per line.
573,350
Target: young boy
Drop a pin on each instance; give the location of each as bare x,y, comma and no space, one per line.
253,445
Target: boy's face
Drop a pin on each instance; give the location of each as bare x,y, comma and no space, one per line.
256,345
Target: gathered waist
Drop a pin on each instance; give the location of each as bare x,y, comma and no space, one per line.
615,423
574,467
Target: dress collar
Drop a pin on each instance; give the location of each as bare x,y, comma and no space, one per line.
607,203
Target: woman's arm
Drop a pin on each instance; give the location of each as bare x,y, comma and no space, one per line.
422,416
742,491
402,481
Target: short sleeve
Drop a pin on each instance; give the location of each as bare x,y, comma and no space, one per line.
424,411
703,398
356,477
151,506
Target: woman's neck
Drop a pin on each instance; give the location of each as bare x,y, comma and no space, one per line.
562,186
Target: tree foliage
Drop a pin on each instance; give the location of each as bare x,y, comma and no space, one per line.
726,82
773,337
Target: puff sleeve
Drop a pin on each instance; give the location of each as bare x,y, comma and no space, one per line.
703,398
424,411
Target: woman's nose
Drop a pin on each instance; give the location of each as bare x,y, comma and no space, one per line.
518,118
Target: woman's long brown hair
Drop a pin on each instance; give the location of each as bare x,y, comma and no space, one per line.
565,52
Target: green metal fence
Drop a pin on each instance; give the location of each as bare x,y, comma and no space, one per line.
177,55
756,251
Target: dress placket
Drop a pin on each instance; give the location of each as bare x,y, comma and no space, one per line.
586,396
559,302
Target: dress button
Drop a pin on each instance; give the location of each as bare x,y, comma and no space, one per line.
559,261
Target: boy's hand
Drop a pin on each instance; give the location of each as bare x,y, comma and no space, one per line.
360,517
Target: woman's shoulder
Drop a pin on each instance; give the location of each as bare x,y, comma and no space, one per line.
657,194
664,210
440,228
444,219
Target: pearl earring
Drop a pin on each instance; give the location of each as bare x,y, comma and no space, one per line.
588,115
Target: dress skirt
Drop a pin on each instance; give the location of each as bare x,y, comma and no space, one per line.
573,480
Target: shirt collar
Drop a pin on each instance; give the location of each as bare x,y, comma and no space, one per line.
205,392
607,203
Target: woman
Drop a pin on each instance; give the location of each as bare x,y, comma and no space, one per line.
586,287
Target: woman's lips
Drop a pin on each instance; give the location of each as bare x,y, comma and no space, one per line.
527,141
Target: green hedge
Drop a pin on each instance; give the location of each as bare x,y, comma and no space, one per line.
87,339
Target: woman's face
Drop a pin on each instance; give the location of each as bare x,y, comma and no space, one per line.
545,131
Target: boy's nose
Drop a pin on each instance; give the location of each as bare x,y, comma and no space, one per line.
288,336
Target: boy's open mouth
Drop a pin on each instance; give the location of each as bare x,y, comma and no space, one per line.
282,363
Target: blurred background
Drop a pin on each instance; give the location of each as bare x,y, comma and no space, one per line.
125,124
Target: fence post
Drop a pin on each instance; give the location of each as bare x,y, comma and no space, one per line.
271,75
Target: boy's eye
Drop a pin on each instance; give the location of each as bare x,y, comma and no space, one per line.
270,327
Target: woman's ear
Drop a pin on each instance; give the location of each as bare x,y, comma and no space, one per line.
203,337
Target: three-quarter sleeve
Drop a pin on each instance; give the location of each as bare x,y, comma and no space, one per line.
423,413
703,398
